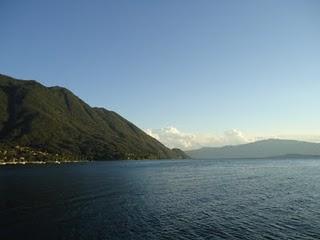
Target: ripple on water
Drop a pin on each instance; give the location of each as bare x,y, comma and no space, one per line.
206,199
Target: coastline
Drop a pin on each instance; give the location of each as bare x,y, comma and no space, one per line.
2,163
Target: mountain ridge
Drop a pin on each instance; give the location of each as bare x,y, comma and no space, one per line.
54,119
268,148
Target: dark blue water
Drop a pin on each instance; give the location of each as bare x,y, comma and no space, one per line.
189,199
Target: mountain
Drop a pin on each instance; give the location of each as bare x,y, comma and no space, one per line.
52,120
270,148
180,153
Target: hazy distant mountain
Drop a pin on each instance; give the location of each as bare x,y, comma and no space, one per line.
55,120
260,149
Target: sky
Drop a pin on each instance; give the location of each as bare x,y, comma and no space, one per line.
190,73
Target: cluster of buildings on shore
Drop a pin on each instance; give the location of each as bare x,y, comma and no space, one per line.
19,154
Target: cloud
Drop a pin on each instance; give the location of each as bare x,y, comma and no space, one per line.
173,138
235,136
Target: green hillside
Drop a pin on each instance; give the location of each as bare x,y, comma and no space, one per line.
53,119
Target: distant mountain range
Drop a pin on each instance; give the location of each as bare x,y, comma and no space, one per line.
271,148
52,121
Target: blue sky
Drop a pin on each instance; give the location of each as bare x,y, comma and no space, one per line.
203,67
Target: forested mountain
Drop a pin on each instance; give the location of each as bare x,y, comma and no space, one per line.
54,120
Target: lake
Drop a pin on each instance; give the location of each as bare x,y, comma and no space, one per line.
163,199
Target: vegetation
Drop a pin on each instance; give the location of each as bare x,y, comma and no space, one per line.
54,120
18,154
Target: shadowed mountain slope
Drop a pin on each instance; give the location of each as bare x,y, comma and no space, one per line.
55,120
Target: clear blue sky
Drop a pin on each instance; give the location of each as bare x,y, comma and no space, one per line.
201,66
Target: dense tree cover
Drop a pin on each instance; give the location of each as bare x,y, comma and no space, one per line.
54,120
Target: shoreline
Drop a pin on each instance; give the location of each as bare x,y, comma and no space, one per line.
38,162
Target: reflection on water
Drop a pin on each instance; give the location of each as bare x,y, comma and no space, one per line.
168,199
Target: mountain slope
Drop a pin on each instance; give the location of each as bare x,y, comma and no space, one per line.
54,119
260,149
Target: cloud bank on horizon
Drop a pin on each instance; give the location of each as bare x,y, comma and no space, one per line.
174,138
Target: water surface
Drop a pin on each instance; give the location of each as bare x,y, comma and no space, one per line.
168,199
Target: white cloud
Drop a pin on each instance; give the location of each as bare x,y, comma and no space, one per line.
173,138
152,134
235,136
